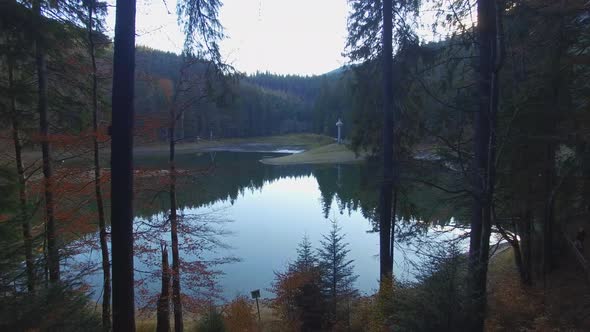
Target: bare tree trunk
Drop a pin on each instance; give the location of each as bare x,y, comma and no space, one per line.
489,24
163,315
385,196
178,323
122,167
22,190
104,249
40,59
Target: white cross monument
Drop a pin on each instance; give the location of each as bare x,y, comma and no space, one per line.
339,125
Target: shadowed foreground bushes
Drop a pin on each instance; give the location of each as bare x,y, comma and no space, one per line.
56,308
436,301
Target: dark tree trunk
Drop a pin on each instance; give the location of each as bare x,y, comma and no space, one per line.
516,247
176,300
524,228
122,167
393,219
104,249
550,152
523,261
526,247
22,189
484,157
163,315
548,212
50,227
385,195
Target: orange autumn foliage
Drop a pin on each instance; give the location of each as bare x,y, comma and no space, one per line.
288,287
239,316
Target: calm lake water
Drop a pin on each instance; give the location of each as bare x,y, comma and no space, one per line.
267,210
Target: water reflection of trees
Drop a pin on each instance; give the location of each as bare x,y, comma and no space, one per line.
214,177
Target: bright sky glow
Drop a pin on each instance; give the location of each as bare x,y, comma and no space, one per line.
281,36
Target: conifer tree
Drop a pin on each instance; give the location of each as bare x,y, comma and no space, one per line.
306,258
337,270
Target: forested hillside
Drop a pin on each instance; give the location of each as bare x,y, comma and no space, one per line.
260,104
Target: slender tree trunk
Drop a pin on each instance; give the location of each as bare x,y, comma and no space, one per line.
122,167
526,247
516,247
550,152
40,59
548,212
484,156
163,315
104,249
524,230
176,300
393,219
22,189
385,196
334,282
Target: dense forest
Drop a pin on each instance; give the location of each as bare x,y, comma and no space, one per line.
486,129
251,105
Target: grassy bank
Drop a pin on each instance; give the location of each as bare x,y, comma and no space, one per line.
291,141
327,154
304,141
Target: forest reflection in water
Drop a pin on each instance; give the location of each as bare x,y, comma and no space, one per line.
260,213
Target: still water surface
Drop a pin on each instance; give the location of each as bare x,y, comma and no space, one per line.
270,209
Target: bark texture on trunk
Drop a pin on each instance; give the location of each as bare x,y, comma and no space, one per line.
122,167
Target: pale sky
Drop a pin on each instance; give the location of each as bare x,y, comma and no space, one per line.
281,36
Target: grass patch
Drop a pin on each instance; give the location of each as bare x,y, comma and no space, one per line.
307,141
304,141
327,154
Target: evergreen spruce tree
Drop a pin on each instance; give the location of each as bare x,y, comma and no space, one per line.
306,258
337,271
300,300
